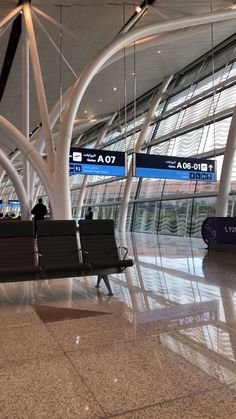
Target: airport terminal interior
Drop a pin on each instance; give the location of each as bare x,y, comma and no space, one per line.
124,111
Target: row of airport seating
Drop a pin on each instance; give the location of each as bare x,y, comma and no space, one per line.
56,254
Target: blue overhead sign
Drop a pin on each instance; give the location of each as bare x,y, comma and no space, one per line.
97,162
13,203
171,167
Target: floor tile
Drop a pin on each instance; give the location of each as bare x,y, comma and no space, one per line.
18,316
127,376
215,404
43,389
91,332
19,344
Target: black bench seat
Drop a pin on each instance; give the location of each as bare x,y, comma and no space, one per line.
58,249
99,248
18,259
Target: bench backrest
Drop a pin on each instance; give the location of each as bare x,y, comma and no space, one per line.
57,243
16,246
97,239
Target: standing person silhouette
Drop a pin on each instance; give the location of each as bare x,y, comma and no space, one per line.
39,211
89,214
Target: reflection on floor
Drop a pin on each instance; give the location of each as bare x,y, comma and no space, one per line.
163,347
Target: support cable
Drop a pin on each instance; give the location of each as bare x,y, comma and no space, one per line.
54,44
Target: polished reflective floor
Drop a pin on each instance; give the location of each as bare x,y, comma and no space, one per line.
164,346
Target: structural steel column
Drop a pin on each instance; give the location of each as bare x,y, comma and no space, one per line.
29,151
18,185
25,111
225,178
141,138
10,16
39,86
39,142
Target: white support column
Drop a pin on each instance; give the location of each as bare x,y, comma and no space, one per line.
37,189
10,16
29,151
225,178
141,138
39,143
39,87
85,179
2,174
25,107
53,118
17,183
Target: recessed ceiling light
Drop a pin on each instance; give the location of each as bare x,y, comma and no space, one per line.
115,89
159,51
85,111
99,100
138,9
133,74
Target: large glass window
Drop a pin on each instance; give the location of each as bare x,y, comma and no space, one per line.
129,217
110,211
172,186
112,191
150,188
202,208
180,98
97,194
175,217
144,217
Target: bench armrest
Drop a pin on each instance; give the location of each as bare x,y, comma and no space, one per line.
126,251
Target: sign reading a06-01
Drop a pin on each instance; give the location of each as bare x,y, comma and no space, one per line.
171,167
86,161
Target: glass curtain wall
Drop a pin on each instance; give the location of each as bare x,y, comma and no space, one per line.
193,120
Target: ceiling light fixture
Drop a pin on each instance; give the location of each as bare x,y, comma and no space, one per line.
99,100
85,111
138,9
115,89
159,51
